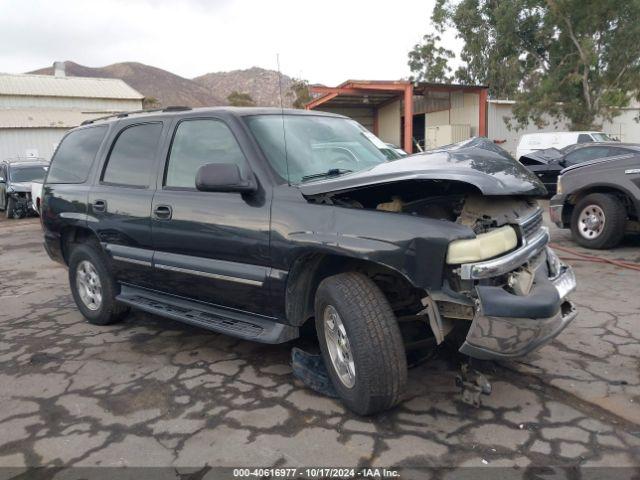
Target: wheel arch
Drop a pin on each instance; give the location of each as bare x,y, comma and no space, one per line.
309,269
633,209
73,235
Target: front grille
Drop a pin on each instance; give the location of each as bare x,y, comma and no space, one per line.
531,225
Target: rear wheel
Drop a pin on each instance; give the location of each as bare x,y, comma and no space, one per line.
598,221
360,342
93,287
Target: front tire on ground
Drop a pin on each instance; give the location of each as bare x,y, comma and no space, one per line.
598,221
93,287
10,206
361,343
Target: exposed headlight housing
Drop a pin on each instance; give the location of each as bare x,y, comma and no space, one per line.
483,247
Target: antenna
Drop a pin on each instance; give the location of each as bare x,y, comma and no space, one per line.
284,130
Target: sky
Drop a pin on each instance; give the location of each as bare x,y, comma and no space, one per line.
326,41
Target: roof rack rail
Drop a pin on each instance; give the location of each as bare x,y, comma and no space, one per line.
176,108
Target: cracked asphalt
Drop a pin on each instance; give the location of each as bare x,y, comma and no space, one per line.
153,392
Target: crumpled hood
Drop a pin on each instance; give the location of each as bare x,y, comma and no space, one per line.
21,186
545,156
477,161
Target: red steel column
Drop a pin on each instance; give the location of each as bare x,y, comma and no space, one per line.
408,118
482,124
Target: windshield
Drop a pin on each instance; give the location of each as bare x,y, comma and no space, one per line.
602,137
28,174
317,146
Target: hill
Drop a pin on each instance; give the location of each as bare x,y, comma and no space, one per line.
261,84
211,89
152,82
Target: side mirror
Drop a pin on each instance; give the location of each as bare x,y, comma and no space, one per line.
223,177
562,162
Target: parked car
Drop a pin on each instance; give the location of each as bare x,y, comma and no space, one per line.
547,164
15,185
531,142
599,200
217,218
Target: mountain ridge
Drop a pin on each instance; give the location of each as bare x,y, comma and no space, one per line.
163,88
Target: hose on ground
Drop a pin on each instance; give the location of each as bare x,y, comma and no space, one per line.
577,256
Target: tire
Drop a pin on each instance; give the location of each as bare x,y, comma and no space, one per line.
10,206
83,258
373,339
607,230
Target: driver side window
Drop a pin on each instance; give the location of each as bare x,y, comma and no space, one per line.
197,143
584,154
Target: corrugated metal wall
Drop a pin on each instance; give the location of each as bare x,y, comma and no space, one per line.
15,142
623,127
84,104
362,115
389,123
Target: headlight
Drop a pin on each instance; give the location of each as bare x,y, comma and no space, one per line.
484,246
559,185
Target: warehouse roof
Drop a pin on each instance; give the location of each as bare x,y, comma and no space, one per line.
55,86
44,118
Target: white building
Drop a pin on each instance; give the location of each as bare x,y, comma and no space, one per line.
37,110
624,127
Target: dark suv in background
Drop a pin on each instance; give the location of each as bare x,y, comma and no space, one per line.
15,185
547,164
252,222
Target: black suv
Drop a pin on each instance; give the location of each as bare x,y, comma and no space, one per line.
253,221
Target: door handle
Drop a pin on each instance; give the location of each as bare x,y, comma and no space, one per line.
99,205
162,212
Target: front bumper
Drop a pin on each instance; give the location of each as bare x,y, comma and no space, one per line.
506,325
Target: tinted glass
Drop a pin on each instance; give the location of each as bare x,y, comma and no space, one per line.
197,143
304,146
73,158
132,156
28,174
584,154
584,138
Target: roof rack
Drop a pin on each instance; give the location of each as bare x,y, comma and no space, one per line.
173,108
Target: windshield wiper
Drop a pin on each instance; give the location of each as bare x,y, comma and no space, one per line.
332,172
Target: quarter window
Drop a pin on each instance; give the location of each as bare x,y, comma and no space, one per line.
197,143
73,157
132,156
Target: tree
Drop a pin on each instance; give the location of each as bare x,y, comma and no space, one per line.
150,102
430,62
239,99
577,59
300,89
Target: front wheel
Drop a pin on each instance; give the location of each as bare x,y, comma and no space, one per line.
598,221
93,287
10,206
361,343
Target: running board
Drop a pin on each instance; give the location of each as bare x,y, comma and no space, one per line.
236,324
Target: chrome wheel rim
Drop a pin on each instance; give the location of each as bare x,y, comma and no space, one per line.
591,222
88,285
339,347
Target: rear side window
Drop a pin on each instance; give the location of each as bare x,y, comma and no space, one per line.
584,138
132,157
73,158
197,143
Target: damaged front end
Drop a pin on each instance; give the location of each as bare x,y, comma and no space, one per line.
518,299
502,291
